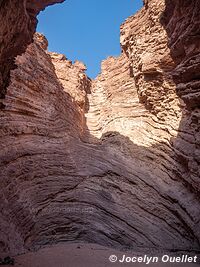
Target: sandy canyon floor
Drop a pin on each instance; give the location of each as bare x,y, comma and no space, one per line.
84,255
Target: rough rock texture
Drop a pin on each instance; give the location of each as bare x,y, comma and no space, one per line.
18,24
163,72
72,78
185,52
114,161
37,121
185,49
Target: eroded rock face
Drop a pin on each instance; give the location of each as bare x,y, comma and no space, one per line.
164,57
112,161
18,24
181,18
36,124
181,22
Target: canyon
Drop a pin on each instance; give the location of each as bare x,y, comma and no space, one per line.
112,161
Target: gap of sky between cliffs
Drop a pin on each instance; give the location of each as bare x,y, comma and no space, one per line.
86,30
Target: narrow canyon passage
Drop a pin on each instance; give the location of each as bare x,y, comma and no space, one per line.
112,161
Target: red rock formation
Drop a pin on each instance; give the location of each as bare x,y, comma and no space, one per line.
36,124
18,24
125,174
181,22
172,72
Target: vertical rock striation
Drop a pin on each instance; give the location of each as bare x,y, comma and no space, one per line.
113,161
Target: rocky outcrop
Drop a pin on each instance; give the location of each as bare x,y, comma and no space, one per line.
112,161
183,30
17,28
73,79
36,124
164,57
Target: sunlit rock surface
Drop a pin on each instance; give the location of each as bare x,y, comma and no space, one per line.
113,161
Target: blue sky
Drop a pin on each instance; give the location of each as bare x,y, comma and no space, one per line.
86,30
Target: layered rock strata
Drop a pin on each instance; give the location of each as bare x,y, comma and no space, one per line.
112,161
18,24
164,58
36,124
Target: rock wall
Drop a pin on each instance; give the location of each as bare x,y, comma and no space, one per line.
164,57
113,161
36,124
18,24
183,31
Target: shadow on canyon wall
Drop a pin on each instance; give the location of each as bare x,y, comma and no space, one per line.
17,28
181,22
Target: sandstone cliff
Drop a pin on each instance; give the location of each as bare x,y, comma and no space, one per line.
18,24
114,161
